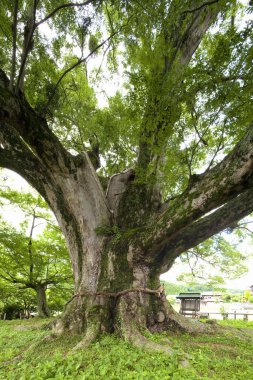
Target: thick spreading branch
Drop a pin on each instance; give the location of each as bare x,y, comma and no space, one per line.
16,156
221,184
206,227
198,23
32,128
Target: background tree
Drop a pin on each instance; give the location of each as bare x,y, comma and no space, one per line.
15,302
247,295
181,129
34,262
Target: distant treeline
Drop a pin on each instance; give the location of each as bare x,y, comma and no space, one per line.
171,288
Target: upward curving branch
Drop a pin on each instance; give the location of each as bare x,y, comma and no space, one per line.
76,64
27,44
194,234
229,181
14,44
201,6
187,32
29,30
184,33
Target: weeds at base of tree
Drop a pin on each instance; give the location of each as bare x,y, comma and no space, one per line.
220,356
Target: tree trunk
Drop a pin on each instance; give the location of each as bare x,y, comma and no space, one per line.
127,299
43,309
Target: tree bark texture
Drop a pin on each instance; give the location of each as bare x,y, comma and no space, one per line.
43,309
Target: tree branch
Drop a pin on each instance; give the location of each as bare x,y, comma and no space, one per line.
29,30
16,156
221,184
32,128
80,60
27,45
183,35
14,45
201,6
206,227
193,34
218,149
60,7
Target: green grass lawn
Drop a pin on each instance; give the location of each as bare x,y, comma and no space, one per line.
227,355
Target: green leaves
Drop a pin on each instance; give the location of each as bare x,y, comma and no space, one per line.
207,101
214,261
29,259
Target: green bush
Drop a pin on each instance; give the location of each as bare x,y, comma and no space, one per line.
226,297
12,311
236,298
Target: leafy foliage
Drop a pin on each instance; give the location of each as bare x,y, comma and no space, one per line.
215,90
28,261
218,254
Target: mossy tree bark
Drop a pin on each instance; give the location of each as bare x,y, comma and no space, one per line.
120,240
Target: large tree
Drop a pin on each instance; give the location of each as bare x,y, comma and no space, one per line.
176,144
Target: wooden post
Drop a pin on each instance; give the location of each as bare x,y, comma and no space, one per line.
235,314
245,317
225,316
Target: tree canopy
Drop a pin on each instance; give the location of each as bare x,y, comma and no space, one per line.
208,113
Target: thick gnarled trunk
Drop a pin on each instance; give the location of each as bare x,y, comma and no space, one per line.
127,300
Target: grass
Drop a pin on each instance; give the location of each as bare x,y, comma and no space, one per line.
222,356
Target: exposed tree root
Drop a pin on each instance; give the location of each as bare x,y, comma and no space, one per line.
137,339
128,329
168,320
191,326
90,336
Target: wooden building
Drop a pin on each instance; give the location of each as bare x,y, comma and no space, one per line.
190,303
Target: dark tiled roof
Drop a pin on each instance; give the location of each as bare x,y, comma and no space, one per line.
189,295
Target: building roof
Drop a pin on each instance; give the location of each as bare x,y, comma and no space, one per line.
189,295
